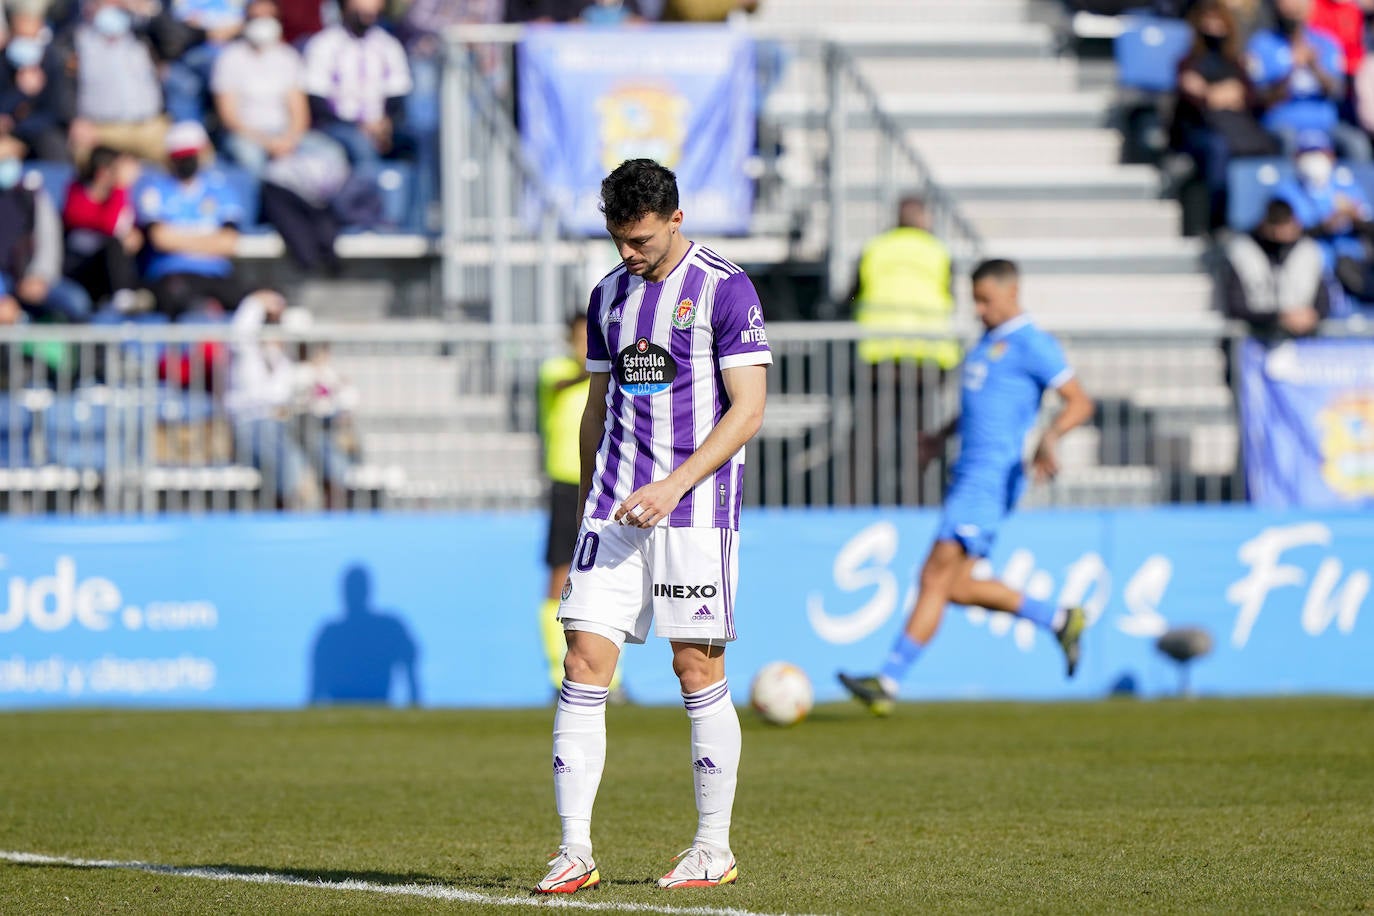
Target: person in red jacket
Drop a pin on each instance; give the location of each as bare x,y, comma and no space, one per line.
1343,20
102,239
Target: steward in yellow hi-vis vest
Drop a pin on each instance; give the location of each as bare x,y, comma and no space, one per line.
563,386
904,286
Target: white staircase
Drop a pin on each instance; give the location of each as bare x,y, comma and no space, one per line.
1021,138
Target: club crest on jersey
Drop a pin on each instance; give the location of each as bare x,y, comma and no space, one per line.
997,350
684,314
644,368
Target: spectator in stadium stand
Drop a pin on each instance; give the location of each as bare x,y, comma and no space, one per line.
37,88
357,78
258,86
31,244
102,238
300,19
1274,277
118,94
1343,20
261,403
187,80
705,10
1334,209
611,13
544,10
191,224
1299,74
1214,120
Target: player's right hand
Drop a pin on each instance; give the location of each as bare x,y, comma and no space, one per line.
1045,464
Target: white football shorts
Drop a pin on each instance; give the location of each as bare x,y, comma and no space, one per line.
623,576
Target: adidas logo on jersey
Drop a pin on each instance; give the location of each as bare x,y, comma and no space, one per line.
706,765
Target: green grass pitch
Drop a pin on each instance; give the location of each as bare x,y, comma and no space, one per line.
1240,806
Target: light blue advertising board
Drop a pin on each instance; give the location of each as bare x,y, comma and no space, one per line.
264,611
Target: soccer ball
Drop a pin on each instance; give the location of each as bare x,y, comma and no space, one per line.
781,693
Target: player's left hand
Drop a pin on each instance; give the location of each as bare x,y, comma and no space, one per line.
648,505
1045,463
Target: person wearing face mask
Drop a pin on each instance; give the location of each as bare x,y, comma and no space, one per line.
215,23
1334,209
357,79
190,222
257,85
1274,277
37,92
1299,73
31,245
1214,119
118,93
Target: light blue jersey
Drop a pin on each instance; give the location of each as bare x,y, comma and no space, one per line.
1004,377
1306,106
206,204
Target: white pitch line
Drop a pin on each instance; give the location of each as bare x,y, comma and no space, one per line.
427,891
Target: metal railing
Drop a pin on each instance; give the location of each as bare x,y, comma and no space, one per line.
825,182
442,416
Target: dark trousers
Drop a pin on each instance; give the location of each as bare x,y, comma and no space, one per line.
307,231
177,294
103,271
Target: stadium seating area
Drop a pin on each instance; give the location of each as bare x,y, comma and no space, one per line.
1016,110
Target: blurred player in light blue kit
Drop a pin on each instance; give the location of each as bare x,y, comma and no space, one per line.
1004,378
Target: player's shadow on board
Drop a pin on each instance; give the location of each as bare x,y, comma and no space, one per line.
359,656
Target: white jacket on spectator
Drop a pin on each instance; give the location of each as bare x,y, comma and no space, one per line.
1268,287
262,377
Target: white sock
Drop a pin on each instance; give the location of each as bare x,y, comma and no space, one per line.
715,761
579,756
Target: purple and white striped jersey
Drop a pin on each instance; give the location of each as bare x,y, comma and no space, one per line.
665,345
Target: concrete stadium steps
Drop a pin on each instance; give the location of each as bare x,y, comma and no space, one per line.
1106,300
913,74
396,387
1154,376
927,110
495,468
1129,485
1050,219
999,148
1164,255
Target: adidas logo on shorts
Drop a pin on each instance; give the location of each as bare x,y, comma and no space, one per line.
703,613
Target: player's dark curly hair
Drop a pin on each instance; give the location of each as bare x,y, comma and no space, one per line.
999,269
637,188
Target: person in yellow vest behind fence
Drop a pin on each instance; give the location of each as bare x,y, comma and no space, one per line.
903,287
563,386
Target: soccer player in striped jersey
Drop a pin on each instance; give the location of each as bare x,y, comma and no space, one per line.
677,350
1005,376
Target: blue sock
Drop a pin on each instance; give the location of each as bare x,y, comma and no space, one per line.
900,658
1041,613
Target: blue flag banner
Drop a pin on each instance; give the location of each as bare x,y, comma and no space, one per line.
591,98
442,610
1307,416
